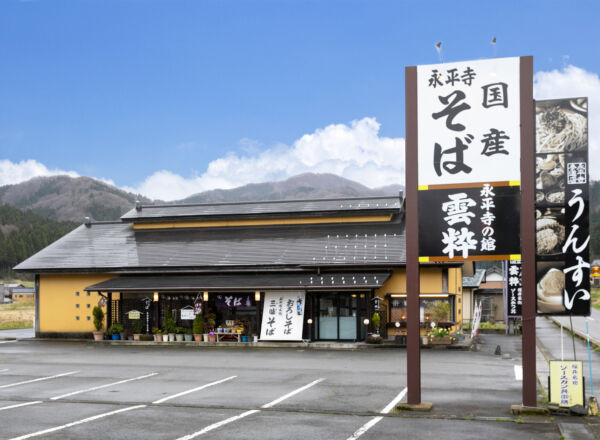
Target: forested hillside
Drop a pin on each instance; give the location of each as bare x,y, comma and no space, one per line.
23,233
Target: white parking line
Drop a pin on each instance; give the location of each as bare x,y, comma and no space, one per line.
375,420
164,399
20,404
248,413
219,424
288,395
38,379
519,372
78,422
5,369
8,342
102,386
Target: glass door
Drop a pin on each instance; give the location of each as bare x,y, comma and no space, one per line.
347,316
328,316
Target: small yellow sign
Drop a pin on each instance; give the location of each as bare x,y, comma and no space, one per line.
566,383
134,314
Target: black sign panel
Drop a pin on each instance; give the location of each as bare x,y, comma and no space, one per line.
469,223
562,208
514,289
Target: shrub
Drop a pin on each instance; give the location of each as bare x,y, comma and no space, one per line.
376,320
137,326
199,324
98,317
169,323
115,329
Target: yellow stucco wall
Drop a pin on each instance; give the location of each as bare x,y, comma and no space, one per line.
431,282
59,304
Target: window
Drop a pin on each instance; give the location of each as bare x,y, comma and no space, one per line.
445,280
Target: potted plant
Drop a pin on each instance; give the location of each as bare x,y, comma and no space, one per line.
179,335
137,329
158,337
198,328
212,337
376,320
188,335
440,337
169,327
115,330
98,314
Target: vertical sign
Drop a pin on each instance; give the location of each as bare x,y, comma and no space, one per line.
562,207
514,289
566,383
283,316
469,146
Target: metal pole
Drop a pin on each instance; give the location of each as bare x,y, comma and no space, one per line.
562,351
587,332
573,337
413,339
528,230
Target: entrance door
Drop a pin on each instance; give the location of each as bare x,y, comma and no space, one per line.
338,316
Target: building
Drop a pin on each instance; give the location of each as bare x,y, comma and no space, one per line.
485,286
23,294
227,260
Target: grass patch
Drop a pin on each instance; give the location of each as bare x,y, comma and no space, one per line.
17,315
596,297
15,281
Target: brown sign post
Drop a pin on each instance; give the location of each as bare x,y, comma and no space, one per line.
472,234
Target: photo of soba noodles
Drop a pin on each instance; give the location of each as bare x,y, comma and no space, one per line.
561,126
550,179
549,232
550,288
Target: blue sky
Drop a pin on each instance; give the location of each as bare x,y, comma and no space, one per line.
174,97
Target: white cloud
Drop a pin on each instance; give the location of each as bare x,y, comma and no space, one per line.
12,173
571,82
355,151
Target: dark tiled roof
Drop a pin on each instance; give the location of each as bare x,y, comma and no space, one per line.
249,281
475,280
354,206
116,246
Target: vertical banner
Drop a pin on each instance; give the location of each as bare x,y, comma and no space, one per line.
283,316
562,207
514,289
469,146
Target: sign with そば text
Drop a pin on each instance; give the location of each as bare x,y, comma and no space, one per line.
469,144
283,316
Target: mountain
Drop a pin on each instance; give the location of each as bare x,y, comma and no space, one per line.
302,186
65,198
23,233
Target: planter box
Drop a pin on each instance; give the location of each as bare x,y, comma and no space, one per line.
187,337
441,341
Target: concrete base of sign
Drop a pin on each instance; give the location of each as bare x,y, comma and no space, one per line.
520,410
423,406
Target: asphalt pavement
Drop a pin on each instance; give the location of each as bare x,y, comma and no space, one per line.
579,325
82,390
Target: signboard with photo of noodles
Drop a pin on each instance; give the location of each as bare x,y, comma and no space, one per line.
562,207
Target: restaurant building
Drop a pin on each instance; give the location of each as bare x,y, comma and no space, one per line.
323,261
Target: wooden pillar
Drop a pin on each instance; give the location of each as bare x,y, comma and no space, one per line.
413,339
528,230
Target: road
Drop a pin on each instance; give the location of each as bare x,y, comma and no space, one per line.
86,391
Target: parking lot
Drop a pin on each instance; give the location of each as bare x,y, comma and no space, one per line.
86,391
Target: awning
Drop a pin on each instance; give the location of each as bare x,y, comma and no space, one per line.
249,282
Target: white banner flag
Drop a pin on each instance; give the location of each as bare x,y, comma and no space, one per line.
283,316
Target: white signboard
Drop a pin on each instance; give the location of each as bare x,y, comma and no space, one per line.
283,316
187,314
469,122
134,314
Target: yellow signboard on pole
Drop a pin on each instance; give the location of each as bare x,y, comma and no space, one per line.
566,383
